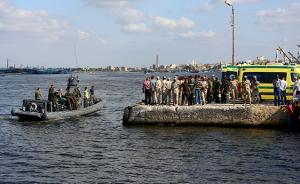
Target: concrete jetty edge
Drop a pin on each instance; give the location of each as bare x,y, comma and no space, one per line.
225,115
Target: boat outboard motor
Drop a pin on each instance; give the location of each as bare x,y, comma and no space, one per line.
13,112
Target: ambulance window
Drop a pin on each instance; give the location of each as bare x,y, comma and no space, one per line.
264,77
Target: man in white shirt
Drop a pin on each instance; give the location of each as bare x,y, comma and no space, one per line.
296,88
283,86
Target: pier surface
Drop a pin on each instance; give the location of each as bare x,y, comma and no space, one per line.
209,115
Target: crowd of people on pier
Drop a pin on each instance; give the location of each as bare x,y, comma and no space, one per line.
198,90
201,90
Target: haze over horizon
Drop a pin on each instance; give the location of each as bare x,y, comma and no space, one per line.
132,32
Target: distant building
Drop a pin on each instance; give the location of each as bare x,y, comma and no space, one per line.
124,69
111,68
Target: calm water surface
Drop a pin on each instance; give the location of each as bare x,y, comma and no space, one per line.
99,149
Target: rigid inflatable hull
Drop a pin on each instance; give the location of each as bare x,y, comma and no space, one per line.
35,116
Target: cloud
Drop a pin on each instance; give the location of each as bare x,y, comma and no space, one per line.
136,28
201,35
102,41
288,15
172,24
83,35
34,23
165,22
132,15
88,35
210,5
107,3
185,23
131,19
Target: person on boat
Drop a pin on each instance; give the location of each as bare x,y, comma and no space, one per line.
59,93
246,90
38,95
71,101
234,88
93,98
277,91
86,97
283,86
52,97
146,90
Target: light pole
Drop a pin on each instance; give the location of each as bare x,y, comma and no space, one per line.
233,31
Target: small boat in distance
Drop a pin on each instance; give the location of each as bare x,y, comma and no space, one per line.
68,106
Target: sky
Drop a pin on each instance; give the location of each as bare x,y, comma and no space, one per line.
99,33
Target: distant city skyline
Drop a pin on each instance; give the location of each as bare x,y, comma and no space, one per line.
99,33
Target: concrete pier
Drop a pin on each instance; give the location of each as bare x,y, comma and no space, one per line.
208,115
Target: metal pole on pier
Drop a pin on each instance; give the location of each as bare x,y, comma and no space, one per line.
298,52
156,63
233,31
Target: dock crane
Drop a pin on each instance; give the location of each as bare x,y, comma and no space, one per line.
290,57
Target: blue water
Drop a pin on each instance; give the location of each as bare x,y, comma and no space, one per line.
99,149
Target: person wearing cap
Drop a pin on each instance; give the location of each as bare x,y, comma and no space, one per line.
277,91
93,98
52,97
234,89
168,91
216,89
225,90
191,82
175,90
180,90
204,89
296,88
146,90
185,92
254,90
153,90
164,90
198,93
209,90
246,90
283,86
86,97
158,89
